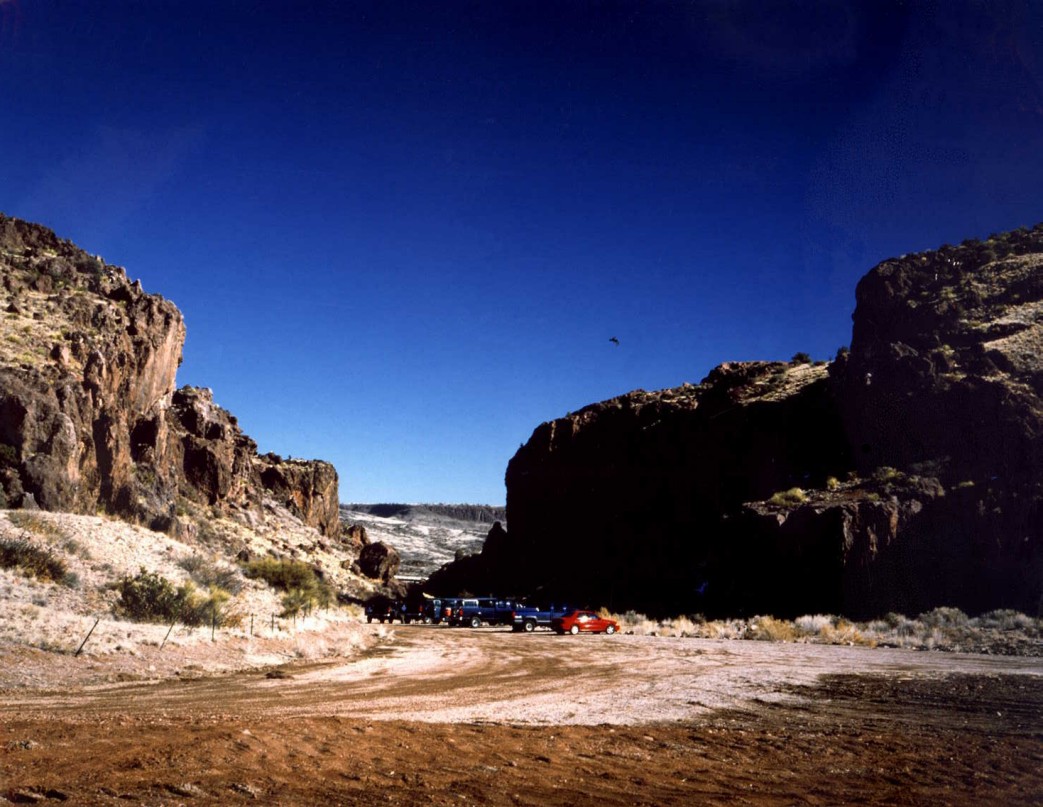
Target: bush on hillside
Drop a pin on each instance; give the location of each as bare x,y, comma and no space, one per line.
33,561
303,588
150,597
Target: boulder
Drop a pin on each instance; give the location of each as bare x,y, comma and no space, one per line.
379,561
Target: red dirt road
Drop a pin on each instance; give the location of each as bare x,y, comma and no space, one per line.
441,716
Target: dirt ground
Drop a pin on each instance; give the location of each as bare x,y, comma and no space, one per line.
433,715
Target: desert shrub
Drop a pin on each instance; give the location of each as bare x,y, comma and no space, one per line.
886,473
281,574
832,483
770,629
8,454
296,601
210,608
893,619
35,523
91,265
688,627
844,632
304,590
206,572
33,561
635,623
800,358
791,496
945,618
74,547
1006,619
812,624
150,597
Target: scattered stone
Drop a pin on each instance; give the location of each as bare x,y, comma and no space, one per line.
247,790
186,789
25,796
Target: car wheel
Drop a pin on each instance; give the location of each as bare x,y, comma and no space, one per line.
610,630
427,620
574,630
475,622
530,626
369,619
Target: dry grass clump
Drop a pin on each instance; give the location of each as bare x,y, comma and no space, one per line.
769,629
634,623
789,497
208,572
950,629
303,588
36,524
1008,620
844,632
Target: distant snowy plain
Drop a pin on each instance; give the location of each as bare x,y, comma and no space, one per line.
424,540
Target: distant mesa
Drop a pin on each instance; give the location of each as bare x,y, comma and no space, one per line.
906,474
477,513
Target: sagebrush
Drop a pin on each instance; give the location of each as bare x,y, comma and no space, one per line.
33,561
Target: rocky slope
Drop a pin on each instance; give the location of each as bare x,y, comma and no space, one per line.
90,420
906,474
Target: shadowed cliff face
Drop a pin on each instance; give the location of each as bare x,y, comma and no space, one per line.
627,502
917,459
89,416
946,361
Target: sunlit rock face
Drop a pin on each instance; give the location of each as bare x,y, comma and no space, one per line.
89,415
904,475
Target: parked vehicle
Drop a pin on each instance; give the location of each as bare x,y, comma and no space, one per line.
434,611
447,610
477,611
415,611
526,618
585,622
383,609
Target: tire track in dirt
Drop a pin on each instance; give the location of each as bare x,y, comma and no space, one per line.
438,674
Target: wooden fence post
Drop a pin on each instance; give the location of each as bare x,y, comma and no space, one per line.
85,638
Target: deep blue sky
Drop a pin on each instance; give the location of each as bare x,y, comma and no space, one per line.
402,233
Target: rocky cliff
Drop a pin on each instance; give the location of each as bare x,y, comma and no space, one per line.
89,415
906,474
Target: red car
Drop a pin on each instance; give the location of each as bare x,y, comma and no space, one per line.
586,621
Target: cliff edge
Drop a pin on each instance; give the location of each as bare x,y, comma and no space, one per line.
906,474
90,419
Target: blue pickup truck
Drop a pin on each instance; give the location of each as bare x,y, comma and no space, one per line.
527,618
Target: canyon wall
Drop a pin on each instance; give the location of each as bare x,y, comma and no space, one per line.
905,474
90,417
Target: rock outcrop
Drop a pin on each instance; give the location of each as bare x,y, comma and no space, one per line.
89,415
378,561
906,474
